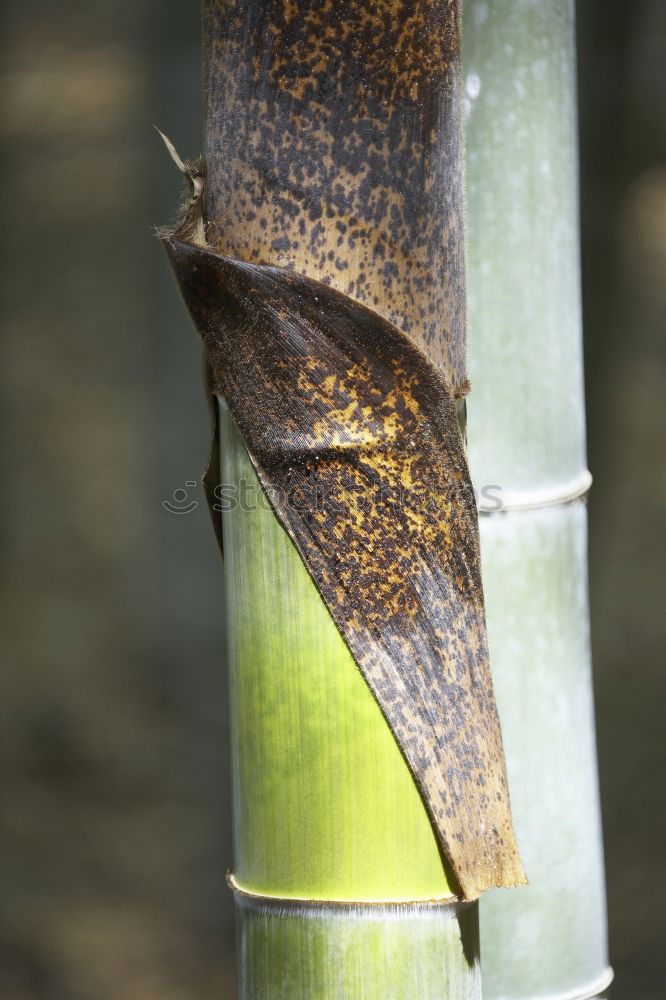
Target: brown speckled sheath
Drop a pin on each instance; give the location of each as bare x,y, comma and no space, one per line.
330,300
334,147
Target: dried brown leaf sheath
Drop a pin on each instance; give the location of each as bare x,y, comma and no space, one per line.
354,436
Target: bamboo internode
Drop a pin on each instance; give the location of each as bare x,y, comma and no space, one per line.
527,436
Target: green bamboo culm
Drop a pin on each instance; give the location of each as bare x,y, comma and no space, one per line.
527,457
325,807
341,890
391,952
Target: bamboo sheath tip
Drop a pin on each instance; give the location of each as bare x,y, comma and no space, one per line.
172,151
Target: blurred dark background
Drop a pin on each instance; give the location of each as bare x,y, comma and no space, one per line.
115,807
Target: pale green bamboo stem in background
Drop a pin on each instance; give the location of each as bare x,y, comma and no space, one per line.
550,939
325,807
527,420
527,441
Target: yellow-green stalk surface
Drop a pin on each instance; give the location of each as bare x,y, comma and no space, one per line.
325,805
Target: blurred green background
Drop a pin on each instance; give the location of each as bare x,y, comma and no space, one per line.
115,812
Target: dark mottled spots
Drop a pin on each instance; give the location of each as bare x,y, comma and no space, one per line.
289,207
349,117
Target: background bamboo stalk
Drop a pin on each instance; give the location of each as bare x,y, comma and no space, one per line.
527,441
552,942
325,807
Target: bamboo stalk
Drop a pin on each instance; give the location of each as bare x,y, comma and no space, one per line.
325,807
349,953
527,441
340,886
